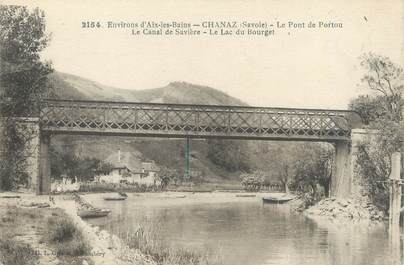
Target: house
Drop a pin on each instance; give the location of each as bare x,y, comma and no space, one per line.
129,169
116,175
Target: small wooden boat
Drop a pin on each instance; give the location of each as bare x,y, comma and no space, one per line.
115,198
120,197
246,195
277,200
92,213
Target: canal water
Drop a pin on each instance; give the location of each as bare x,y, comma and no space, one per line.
244,231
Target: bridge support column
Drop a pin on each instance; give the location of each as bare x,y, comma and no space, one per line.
44,176
187,149
345,181
341,180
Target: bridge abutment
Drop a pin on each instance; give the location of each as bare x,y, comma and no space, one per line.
30,127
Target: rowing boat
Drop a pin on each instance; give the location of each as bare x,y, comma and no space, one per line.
277,200
91,213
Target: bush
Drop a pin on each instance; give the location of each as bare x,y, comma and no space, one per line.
373,164
252,182
66,238
15,253
61,230
75,247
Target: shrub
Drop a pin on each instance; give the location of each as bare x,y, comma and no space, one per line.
65,237
61,229
75,247
252,182
15,253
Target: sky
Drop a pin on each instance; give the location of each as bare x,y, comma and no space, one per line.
294,68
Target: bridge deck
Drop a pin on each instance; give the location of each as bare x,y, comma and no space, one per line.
200,121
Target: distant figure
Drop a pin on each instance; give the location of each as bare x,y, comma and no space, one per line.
52,200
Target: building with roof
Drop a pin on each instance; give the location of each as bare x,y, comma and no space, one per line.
126,168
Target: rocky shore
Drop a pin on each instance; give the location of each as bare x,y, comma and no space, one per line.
350,209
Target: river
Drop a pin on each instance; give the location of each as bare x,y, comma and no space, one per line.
245,231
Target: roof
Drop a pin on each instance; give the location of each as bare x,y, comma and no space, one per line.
150,166
127,160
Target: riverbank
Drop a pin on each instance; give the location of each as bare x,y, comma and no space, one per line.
34,231
347,209
39,230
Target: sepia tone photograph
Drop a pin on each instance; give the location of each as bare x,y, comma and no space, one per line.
227,132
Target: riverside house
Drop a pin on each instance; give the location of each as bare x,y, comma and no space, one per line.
127,169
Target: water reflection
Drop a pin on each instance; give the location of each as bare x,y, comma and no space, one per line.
247,232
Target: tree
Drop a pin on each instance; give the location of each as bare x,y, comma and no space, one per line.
313,170
385,78
230,155
23,82
72,166
382,107
23,76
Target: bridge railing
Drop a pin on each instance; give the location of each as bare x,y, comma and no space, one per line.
155,119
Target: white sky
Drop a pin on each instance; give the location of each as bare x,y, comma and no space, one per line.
313,69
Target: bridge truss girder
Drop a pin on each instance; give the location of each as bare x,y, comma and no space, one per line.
194,121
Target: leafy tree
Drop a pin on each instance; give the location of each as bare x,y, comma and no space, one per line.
383,108
71,166
312,173
23,76
23,82
228,154
385,78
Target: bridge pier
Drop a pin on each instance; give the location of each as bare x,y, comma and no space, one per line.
345,180
341,180
44,180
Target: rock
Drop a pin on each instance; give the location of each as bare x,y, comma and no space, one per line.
85,262
346,209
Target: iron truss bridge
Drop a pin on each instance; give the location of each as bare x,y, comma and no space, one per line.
194,121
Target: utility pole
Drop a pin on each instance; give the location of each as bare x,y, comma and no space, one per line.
395,194
187,147
395,207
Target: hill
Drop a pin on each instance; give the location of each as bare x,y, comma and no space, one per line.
67,86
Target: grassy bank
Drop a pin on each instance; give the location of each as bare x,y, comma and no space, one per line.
111,187
147,240
201,187
32,235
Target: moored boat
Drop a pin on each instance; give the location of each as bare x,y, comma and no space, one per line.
246,195
91,213
115,198
120,197
277,200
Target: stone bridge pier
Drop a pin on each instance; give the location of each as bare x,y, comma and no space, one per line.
345,181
